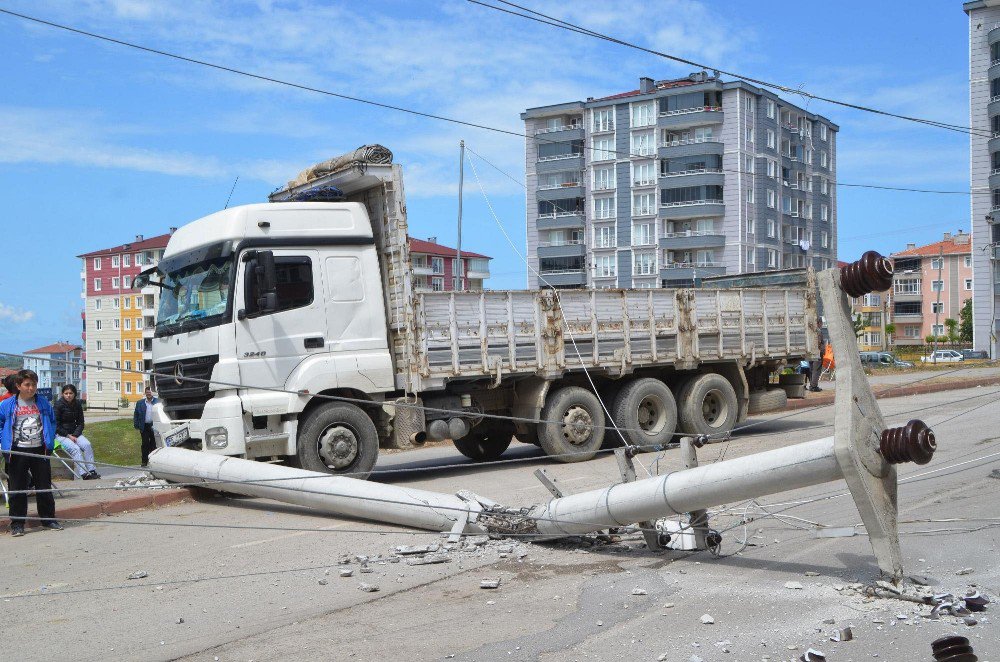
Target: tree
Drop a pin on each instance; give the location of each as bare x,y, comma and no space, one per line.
965,315
952,325
859,325
890,329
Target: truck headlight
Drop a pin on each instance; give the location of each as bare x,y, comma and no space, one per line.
216,437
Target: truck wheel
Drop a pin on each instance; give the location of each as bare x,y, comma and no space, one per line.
708,405
648,412
575,427
486,442
767,400
338,438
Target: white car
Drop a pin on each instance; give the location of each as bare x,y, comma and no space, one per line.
943,356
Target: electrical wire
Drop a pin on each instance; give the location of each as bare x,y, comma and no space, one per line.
428,115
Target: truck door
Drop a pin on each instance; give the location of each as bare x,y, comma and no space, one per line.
270,344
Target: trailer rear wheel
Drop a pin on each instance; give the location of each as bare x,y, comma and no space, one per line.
338,438
486,442
574,427
646,409
708,405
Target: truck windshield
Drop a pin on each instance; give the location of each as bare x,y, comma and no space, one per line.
195,296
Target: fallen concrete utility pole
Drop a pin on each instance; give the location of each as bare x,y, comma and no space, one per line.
862,452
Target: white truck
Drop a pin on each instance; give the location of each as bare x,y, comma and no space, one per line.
291,330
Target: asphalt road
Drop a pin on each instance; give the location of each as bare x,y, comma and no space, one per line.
264,594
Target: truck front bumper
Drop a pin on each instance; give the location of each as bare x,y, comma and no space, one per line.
219,430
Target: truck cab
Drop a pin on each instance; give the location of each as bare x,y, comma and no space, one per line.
261,307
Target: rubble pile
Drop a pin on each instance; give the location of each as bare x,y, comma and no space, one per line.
141,480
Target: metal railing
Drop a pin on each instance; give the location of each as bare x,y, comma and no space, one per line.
549,187
690,265
566,242
693,171
565,127
686,111
688,203
643,211
644,150
644,182
689,141
559,272
690,233
604,186
574,155
561,214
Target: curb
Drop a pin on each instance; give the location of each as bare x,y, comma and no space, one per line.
122,504
899,391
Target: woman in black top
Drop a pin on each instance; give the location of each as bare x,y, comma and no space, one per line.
69,433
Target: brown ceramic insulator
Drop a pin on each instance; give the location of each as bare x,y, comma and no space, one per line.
953,649
913,442
872,273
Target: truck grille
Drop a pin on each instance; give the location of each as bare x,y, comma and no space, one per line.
182,396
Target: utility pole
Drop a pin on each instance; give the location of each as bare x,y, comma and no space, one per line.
461,178
937,307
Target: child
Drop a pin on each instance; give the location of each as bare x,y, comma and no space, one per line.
28,426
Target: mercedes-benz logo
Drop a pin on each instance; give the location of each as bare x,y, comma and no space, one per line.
178,374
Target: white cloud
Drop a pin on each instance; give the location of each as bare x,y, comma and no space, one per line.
17,315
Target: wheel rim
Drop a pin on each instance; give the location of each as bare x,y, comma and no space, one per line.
714,408
338,446
578,425
652,415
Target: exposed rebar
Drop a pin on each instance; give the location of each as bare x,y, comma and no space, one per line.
913,442
872,273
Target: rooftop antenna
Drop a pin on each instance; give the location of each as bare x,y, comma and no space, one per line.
231,192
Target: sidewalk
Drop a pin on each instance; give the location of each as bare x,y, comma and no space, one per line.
90,503
903,384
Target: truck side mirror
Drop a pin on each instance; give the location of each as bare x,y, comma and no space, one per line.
267,282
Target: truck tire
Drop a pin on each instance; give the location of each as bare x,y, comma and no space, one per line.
767,400
646,408
338,438
708,405
576,429
486,442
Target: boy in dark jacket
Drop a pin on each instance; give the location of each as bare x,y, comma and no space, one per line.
69,433
28,428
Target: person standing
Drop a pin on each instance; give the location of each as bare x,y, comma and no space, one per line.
142,420
28,428
69,433
816,367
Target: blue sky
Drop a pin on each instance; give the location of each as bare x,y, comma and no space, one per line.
99,143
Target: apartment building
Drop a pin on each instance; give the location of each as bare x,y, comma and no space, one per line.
675,181
435,267
873,311
931,284
118,319
984,170
56,365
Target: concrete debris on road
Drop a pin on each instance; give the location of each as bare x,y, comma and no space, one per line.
430,559
638,591
346,572
975,601
179,621
813,655
141,480
368,588
489,583
793,585
707,619
323,582
964,571
843,634
138,574
407,550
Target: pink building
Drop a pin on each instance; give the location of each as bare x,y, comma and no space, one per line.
922,274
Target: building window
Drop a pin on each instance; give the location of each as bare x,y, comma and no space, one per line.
100,366
128,365
770,139
138,323
138,259
937,307
751,226
907,286
822,131
97,304
968,261
97,284
937,329
642,234
824,185
118,387
604,119
100,387
824,160
98,344
605,266
127,282
770,109
770,227
968,284
824,213
115,261
128,302
97,264
750,195
604,178
643,204
437,265
824,239
116,323
749,104
437,284
128,388
98,324
127,260
749,134
642,144
128,323
118,345
138,302
138,345
937,285
605,237
115,283
871,338
642,114
937,263
772,258
750,256
643,174
603,150
770,199
644,264
604,207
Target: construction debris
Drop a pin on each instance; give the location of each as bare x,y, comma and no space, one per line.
144,480
843,634
812,655
138,574
346,572
964,571
793,585
430,559
707,619
638,591
368,588
489,583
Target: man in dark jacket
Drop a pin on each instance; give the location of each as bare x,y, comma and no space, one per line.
142,420
69,433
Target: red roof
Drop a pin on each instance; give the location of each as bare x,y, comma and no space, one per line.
660,85
6,372
55,348
948,247
159,241
430,248
841,264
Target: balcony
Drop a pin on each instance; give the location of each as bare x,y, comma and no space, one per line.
563,277
688,117
561,162
477,274
560,157
560,221
696,177
642,152
643,183
907,317
561,133
691,270
692,239
148,311
561,249
691,147
994,144
558,187
993,107
993,36
907,296
995,178
643,211
422,270
561,192
692,209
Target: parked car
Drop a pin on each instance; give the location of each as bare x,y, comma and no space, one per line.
975,353
883,360
943,356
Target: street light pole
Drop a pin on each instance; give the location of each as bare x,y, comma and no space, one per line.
461,178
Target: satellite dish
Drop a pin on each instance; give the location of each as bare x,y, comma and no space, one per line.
804,245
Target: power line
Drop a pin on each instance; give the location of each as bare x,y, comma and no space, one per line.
539,17
410,111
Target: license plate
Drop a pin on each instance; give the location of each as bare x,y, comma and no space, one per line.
177,438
